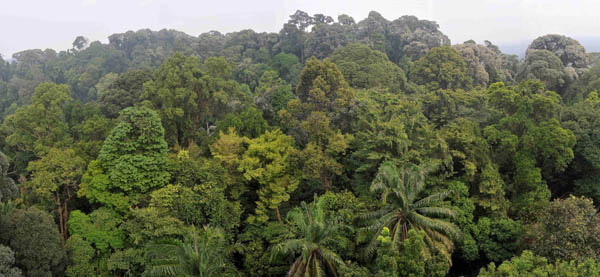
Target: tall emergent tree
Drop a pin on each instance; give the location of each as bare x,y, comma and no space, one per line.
366,68
441,68
133,161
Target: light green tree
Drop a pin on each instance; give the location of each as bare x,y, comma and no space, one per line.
55,178
268,160
39,126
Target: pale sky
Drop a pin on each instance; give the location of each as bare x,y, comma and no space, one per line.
27,24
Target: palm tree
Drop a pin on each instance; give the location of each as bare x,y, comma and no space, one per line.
204,254
315,233
403,209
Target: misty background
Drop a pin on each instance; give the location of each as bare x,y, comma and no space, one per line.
510,24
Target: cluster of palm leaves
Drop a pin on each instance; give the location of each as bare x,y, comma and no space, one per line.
204,253
404,206
315,233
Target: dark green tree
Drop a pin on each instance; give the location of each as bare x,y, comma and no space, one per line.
173,92
441,68
528,143
7,259
35,240
566,231
366,68
8,189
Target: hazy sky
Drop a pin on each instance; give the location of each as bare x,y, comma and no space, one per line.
26,24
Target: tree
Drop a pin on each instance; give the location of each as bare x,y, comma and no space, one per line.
569,51
317,117
287,66
228,150
371,31
315,232
529,264
38,127
249,123
403,209
484,63
272,95
567,231
345,19
268,160
499,239
543,65
35,240
7,259
583,120
8,189
325,38
132,162
527,143
123,92
201,204
94,237
441,68
81,255
219,94
581,88
389,127
173,92
409,38
80,43
56,177
201,254
366,68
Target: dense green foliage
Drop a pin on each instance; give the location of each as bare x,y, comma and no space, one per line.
331,148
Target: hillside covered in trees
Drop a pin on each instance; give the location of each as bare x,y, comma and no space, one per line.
335,147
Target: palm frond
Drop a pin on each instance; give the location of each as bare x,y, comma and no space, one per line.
437,212
432,199
444,227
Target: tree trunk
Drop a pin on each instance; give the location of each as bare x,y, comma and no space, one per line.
61,219
278,214
324,179
65,219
